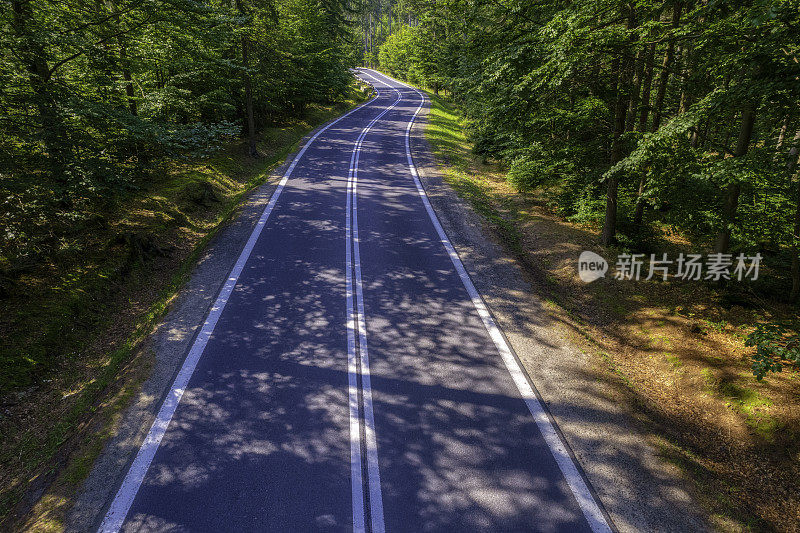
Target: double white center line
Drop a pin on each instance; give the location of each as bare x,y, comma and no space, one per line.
360,398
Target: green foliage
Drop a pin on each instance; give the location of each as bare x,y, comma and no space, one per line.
529,172
526,174
684,113
98,97
97,100
394,54
776,346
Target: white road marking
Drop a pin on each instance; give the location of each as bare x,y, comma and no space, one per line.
355,315
591,510
115,517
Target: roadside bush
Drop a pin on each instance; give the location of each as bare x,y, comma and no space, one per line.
526,174
587,209
777,345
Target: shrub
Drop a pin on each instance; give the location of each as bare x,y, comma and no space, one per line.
776,345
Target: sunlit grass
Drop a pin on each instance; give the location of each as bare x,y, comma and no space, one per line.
461,170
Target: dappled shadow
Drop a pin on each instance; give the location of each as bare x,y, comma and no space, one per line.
261,437
669,361
457,447
260,440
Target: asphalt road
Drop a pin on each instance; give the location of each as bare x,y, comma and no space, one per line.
349,377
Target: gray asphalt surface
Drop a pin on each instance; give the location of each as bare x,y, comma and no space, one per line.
261,438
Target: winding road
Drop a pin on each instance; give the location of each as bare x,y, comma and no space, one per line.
349,377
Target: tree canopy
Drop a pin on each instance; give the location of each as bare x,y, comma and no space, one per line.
639,113
96,96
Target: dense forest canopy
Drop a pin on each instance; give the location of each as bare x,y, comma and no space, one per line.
97,96
639,115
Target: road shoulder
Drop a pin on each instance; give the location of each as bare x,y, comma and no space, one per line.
170,342
640,491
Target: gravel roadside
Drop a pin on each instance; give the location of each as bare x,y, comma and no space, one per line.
640,491
170,342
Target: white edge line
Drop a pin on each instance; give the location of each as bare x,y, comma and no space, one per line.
117,512
591,510
354,264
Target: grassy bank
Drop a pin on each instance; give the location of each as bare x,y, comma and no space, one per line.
676,350
73,330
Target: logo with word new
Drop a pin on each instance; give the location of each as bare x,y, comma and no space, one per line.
688,267
591,266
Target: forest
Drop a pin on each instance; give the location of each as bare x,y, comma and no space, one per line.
129,132
98,99
96,95
643,117
646,113
640,127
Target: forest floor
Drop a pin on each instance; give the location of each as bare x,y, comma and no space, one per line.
675,350
95,307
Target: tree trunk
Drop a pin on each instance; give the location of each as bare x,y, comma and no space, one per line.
638,213
686,95
723,241
248,99
794,160
637,87
721,126
699,133
795,292
646,85
661,91
610,223
791,166
50,121
686,73
248,92
371,42
126,75
663,78
781,135
130,95
366,45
